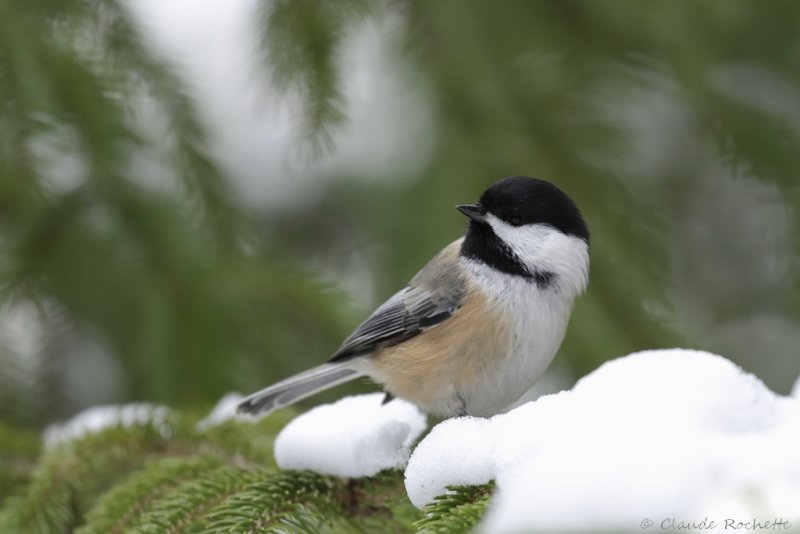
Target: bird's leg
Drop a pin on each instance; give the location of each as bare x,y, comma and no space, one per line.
461,406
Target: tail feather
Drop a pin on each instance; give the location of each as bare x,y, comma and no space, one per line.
297,388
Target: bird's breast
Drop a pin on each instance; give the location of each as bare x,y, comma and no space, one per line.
435,368
536,319
483,358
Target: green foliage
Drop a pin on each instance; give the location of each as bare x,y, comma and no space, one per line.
303,40
18,451
121,506
171,477
69,477
137,242
184,507
303,502
458,510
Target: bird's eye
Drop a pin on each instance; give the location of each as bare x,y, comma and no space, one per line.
516,220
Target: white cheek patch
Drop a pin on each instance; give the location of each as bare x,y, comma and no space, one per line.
541,247
526,241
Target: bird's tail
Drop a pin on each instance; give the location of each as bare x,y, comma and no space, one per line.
297,388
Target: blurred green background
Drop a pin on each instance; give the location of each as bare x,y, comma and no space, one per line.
205,196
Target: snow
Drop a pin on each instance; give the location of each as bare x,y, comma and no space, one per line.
796,389
354,437
462,452
98,418
224,410
658,434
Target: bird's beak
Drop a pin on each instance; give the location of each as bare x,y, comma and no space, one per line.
476,212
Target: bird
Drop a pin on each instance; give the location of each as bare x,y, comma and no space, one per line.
478,325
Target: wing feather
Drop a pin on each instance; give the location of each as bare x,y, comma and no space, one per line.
429,299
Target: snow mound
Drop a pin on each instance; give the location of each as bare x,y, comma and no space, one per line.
654,435
354,437
98,418
461,450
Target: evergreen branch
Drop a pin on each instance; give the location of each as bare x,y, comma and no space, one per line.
458,510
302,500
178,494
67,478
129,54
379,503
18,452
8,519
302,39
253,441
187,505
307,502
124,504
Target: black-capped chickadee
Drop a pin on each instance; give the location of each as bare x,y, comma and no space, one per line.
479,324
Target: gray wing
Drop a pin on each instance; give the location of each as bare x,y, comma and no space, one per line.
431,297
